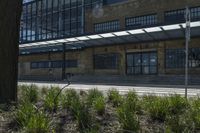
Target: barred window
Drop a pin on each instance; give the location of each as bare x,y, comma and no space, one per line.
107,26
195,13
141,21
71,63
107,2
177,16
175,58
56,64
106,61
41,64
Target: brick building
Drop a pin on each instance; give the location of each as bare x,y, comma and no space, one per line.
128,38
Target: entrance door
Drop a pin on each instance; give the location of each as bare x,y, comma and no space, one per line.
141,63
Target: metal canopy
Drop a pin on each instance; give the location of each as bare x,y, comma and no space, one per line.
164,32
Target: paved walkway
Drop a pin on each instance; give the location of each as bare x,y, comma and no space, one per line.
140,89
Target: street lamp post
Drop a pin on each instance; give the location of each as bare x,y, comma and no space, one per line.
187,39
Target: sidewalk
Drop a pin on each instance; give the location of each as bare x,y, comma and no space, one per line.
140,89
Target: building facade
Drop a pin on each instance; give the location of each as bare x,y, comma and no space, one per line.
107,37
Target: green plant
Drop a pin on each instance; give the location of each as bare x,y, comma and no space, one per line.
81,114
132,101
92,95
195,112
68,97
128,119
114,97
99,105
38,123
157,107
179,123
177,104
51,100
29,93
24,112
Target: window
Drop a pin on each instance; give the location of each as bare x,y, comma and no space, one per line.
71,63
107,26
177,16
195,13
41,64
107,2
141,63
175,58
106,61
52,19
141,21
56,64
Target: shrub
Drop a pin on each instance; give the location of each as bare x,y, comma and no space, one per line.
81,114
99,105
29,93
195,112
38,123
24,113
177,104
179,123
92,95
51,100
157,107
128,119
68,97
132,101
114,97
44,90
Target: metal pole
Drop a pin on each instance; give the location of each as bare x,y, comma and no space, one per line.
187,37
63,64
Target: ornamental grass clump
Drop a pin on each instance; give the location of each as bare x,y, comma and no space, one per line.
24,112
81,113
29,93
38,123
128,118
157,107
177,104
114,97
133,102
195,113
99,105
179,123
51,100
68,97
93,94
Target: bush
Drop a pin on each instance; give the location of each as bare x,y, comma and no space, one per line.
68,97
38,123
157,107
92,95
29,93
177,104
132,101
114,97
51,102
179,123
195,113
128,119
24,112
99,105
81,114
